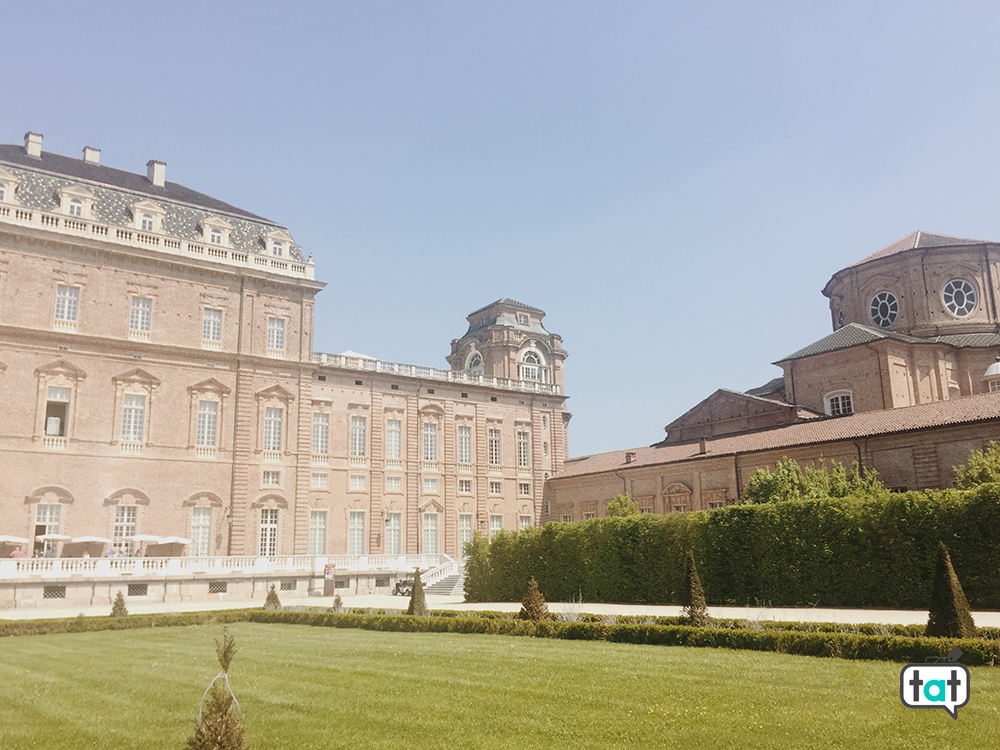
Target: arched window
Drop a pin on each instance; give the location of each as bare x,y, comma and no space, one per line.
531,367
839,403
76,207
147,223
278,248
476,365
215,236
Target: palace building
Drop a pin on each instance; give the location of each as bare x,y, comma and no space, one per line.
160,388
908,383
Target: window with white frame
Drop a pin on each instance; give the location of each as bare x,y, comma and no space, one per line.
496,488
321,434
356,533
523,449
464,444
393,438
211,325
530,368
496,524
465,531
215,236
317,532
494,447
588,514
393,533
430,485
524,489
76,207
3,192
320,481
126,517
47,517
524,522
146,223
839,404
133,417
476,365
273,417
67,303
359,436
393,484
140,314
272,478
276,335
565,518
430,533
465,486
277,248
201,532
357,482
522,319
57,411
994,386
430,441
268,532
208,415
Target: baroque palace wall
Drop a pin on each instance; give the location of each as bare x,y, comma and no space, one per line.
157,377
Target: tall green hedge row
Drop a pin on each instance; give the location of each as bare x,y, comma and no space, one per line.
831,552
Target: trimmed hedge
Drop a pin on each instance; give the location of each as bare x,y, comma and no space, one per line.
831,552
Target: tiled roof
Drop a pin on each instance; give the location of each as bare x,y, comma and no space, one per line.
966,410
721,392
918,239
770,387
506,301
855,334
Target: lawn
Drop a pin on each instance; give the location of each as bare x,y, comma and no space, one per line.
303,687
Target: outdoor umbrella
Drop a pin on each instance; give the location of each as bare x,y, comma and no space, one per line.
87,541
6,539
52,538
147,538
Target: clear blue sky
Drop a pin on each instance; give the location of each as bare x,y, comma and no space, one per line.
673,183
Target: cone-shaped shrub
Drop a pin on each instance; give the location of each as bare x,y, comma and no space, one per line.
219,727
533,605
949,616
418,602
693,596
118,609
272,601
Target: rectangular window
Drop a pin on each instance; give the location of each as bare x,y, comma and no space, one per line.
393,533
211,325
393,484
133,416
67,303
465,445
430,442
321,434
524,522
465,486
430,533
320,481
125,520
276,334
201,532
841,405
357,482
272,478
317,532
138,319
496,525
566,518
268,532
393,433
207,418
494,447
464,531
47,522
56,411
359,437
430,486
496,488
356,533
588,515
272,428
524,489
523,449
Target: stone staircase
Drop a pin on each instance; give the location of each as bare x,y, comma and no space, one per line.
453,585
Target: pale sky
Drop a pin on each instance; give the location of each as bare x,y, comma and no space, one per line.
672,183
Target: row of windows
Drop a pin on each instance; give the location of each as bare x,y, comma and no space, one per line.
958,295
393,484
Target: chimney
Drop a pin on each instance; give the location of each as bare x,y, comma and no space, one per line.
629,457
33,144
91,155
702,447
156,172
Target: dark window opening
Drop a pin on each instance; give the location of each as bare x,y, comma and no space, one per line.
430,390
321,377
493,398
359,382
55,418
394,387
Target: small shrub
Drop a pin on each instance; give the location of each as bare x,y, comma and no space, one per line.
272,602
219,726
693,596
79,624
118,609
949,616
418,601
533,605
338,604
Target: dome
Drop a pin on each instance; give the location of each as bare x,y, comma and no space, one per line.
993,371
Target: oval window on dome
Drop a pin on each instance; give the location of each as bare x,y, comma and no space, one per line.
884,309
959,297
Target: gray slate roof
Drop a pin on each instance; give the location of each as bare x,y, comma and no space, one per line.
918,239
770,387
506,301
855,334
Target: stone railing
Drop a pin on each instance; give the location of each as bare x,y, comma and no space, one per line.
432,373
75,227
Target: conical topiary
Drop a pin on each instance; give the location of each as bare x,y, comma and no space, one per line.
219,726
272,601
693,596
118,609
949,616
418,602
533,605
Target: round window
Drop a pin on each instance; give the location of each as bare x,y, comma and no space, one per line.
959,297
884,309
